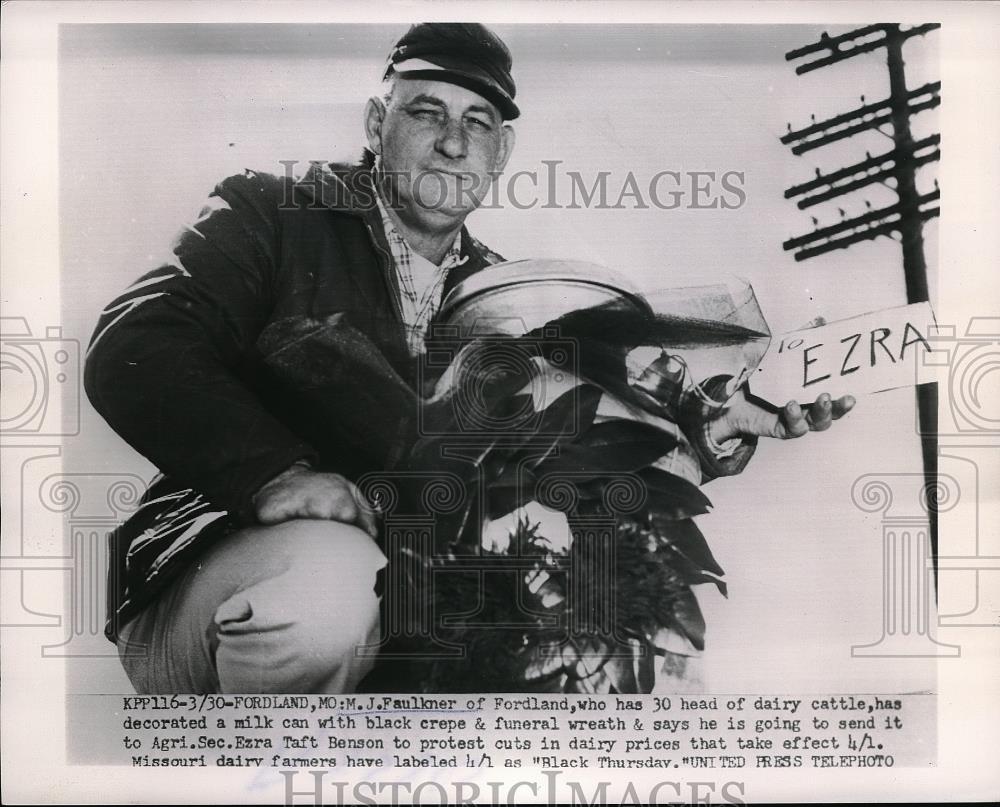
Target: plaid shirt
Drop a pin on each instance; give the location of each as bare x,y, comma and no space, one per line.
420,281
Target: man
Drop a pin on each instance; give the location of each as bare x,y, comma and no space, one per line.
251,564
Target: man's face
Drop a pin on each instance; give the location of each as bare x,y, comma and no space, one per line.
440,146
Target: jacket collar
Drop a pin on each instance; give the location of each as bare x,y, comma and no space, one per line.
348,188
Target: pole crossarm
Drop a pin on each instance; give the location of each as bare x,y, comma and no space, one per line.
853,43
883,221
862,174
869,116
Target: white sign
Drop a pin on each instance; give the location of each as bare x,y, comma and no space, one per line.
869,353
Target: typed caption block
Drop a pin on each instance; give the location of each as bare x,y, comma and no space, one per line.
371,732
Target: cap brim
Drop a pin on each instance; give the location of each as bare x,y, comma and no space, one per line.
479,82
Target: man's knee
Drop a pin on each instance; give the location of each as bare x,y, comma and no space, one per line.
310,624
286,607
327,544
317,552
318,576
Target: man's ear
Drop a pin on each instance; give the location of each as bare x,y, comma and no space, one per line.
507,139
374,115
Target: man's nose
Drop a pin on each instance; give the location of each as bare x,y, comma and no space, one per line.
452,141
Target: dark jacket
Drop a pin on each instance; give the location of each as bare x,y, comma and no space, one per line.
175,367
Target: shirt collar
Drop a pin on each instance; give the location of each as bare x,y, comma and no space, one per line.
452,258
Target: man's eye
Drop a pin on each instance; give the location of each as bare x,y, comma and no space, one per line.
477,123
426,114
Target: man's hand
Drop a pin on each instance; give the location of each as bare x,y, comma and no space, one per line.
300,492
756,417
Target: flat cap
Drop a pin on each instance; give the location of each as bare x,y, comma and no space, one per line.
464,53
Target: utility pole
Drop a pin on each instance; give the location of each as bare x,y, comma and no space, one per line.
898,166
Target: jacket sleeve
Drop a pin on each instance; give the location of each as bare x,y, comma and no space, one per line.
169,364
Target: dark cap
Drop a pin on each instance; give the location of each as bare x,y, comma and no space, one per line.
464,53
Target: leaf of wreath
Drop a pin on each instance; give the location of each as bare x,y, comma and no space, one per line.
620,323
621,670
671,496
582,462
685,536
646,664
688,619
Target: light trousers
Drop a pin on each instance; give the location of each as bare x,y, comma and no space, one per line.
289,608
